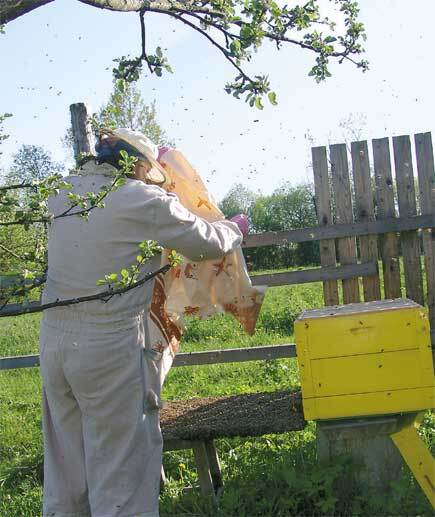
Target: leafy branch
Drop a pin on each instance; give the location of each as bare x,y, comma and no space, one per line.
104,295
35,211
117,283
237,28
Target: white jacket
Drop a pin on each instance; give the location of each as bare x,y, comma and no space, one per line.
81,252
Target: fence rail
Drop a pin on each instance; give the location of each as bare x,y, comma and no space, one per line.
337,231
229,355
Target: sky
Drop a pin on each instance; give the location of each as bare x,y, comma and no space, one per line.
62,53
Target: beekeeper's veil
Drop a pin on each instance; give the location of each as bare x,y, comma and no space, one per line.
112,142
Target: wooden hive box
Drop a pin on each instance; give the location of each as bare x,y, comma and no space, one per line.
365,359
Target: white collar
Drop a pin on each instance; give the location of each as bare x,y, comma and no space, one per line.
91,168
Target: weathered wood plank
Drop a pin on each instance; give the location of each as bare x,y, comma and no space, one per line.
83,136
364,211
23,361
385,209
426,181
215,467
316,275
175,445
408,208
337,231
203,467
231,355
236,355
343,214
324,216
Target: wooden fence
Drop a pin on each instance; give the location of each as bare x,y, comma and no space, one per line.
374,217
367,215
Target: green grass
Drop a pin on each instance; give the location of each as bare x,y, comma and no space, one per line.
275,475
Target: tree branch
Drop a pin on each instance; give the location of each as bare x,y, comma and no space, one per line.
144,5
12,9
17,186
10,252
117,5
109,293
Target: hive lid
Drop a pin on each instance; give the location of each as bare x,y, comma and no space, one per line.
359,308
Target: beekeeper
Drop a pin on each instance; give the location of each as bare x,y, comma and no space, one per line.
102,441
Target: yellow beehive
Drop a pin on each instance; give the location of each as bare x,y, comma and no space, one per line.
365,359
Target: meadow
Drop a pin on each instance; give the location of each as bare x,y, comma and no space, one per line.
274,475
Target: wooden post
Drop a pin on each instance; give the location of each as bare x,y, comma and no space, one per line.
343,212
324,216
215,468
408,208
203,466
364,211
83,137
385,208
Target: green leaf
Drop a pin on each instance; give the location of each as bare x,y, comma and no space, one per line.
272,98
258,103
121,85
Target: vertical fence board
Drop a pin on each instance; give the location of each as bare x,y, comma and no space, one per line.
343,212
324,216
364,211
408,208
388,243
426,181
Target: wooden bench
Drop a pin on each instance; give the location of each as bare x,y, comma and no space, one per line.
195,423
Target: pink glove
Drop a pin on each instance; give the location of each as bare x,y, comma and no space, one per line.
242,222
162,151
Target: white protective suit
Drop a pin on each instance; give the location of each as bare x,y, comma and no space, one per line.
102,439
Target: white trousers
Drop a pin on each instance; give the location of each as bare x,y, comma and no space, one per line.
102,450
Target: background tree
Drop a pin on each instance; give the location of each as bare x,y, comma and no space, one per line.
238,200
127,108
19,244
32,163
288,207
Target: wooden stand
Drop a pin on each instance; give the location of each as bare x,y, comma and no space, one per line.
207,464
374,444
367,442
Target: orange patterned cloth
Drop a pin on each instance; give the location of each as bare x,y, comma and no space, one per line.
197,288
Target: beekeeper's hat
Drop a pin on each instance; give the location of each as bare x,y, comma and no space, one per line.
144,147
